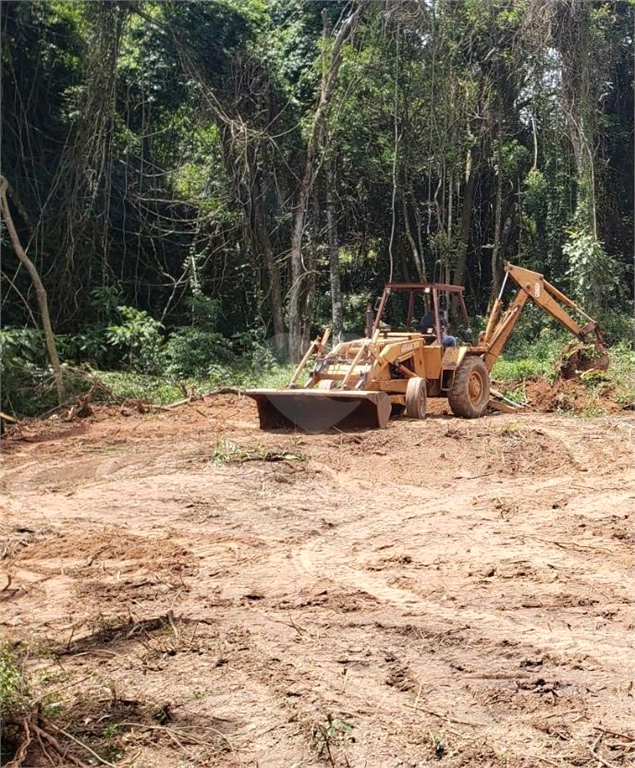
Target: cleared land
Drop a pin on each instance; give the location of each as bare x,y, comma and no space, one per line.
196,592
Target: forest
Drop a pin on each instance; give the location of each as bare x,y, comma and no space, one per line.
203,185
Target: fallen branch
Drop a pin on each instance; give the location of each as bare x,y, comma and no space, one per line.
80,744
226,391
63,753
196,398
183,734
626,736
449,718
599,757
269,456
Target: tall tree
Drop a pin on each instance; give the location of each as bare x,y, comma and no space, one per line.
298,270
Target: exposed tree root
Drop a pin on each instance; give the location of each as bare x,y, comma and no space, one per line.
29,741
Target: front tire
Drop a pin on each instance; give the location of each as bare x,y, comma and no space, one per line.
416,398
470,392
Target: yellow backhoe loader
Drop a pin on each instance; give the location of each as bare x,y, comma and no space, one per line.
361,383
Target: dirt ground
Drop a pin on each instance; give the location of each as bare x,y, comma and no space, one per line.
195,592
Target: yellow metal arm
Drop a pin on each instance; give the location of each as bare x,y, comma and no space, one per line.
531,285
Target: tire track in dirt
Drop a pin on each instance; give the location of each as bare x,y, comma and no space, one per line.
469,580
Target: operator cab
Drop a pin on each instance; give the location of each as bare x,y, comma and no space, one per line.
417,308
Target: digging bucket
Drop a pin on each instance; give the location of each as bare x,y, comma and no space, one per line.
315,411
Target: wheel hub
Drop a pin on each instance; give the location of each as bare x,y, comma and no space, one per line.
475,387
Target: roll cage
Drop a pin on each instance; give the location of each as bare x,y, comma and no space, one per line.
433,291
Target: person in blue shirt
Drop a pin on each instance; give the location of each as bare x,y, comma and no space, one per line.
428,321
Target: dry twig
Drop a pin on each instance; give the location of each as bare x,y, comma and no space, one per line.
80,744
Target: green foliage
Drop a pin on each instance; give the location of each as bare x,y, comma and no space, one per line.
162,390
330,734
28,385
595,276
89,345
522,368
617,329
617,383
621,372
194,165
105,300
533,351
194,351
14,690
158,390
139,337
21,348
110,731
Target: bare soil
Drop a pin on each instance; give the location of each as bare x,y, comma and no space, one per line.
195,592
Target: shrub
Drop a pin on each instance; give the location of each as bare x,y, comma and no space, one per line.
28,385
139,337
192,351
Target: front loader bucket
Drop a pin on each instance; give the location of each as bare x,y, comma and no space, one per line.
315,411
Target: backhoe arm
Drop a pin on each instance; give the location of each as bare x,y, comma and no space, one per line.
532,285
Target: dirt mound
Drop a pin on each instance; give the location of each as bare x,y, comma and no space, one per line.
571,395
578,357
87,551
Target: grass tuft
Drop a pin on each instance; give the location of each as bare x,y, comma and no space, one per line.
14,690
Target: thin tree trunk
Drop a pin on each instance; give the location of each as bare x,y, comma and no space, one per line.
417,216
298,270
497,221
311,277
411,240
580,95
263,242
39,289
334,258
466,219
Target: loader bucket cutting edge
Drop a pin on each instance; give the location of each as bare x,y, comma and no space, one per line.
315,411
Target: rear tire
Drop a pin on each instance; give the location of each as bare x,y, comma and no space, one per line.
416,398
470,392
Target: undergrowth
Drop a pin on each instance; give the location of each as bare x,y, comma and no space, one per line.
616,383
14,690
28,386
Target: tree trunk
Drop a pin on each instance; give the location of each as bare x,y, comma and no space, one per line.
263,243
298,271
334,259
39,289
498,218
580,96
411,240
466,219
419,223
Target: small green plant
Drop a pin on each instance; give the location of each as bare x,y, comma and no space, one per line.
110,731
437,744
332,733
14,689
225,451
